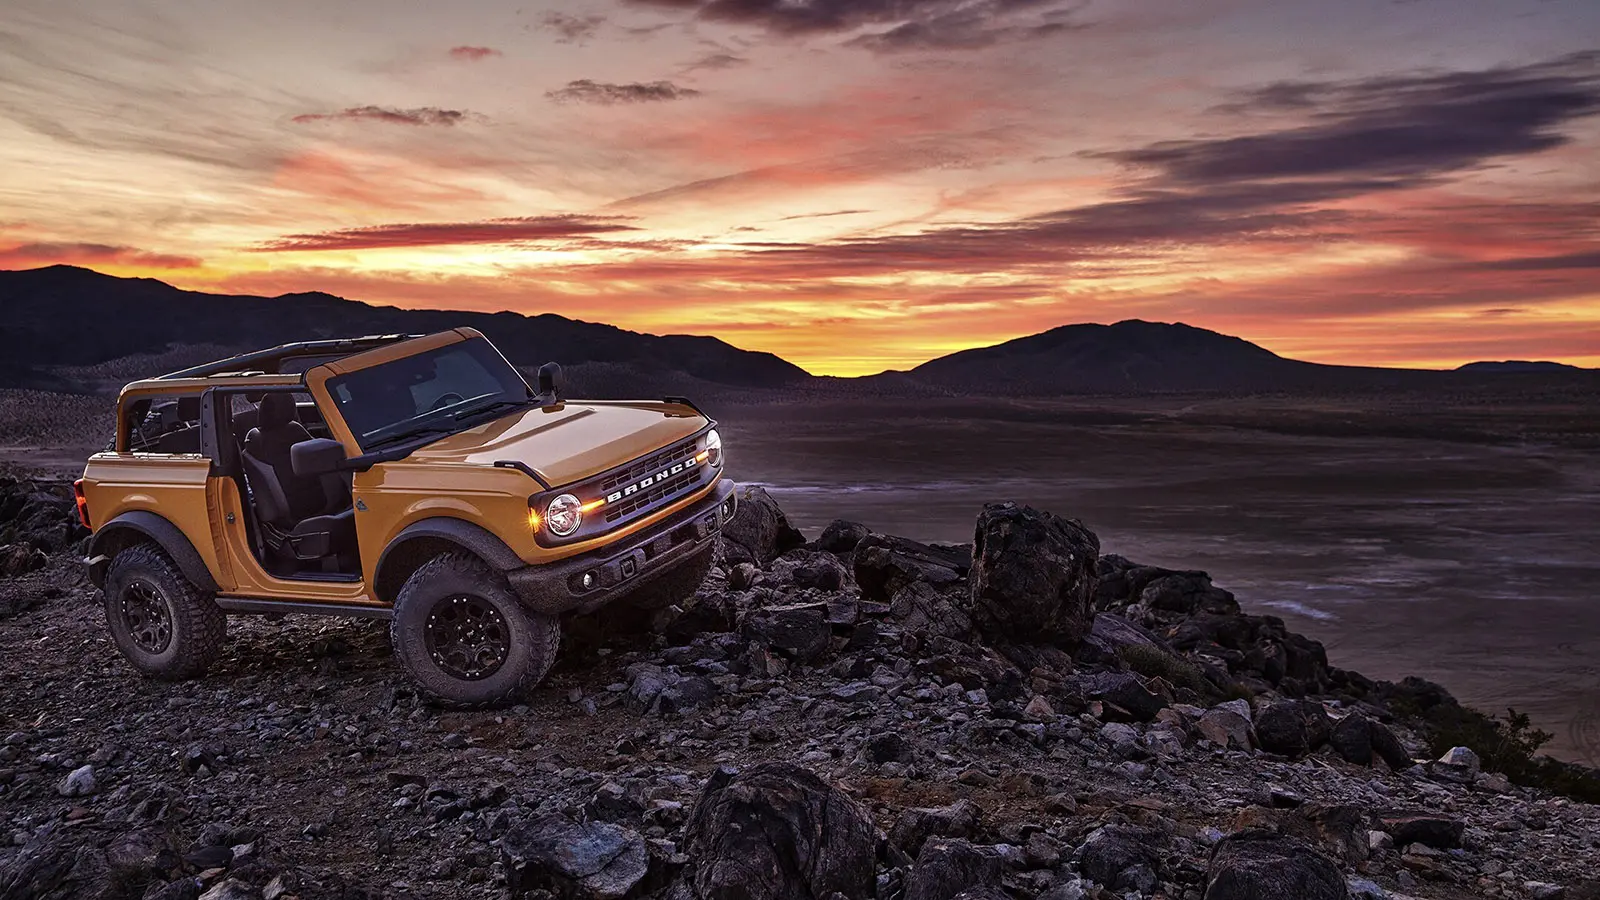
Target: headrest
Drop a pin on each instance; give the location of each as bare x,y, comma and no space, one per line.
276,411
189,409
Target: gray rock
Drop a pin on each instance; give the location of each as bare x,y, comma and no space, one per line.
1428,829
947,868
759,531
1127,693
1388,747
1033,575
79,782
232,889
800,631
1351,738
1259,865
778,832
916,825
591,860
1282,728
1224,726
841,536
883,564
1121,857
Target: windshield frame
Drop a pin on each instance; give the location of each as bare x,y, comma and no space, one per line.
429,425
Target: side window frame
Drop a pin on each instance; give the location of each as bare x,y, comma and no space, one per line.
127,426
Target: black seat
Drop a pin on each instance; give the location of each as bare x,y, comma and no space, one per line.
303,517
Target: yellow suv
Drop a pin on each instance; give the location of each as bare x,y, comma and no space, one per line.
414,478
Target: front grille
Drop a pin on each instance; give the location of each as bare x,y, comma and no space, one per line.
658,493
647,466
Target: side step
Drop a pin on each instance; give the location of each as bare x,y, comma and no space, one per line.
281,607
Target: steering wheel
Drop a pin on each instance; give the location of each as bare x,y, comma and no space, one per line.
444,400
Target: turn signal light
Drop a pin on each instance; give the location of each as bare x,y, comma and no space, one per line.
83,503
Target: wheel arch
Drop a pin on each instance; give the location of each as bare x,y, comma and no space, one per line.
427,538
142,526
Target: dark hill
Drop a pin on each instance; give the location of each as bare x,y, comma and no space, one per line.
1135,356
68,316
1517,365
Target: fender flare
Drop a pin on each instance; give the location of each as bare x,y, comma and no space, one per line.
475,539
153,527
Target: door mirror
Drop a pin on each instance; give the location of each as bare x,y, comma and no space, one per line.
318,456
550,383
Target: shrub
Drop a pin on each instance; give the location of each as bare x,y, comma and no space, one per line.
1153,662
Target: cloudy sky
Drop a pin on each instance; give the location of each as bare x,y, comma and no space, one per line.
853,185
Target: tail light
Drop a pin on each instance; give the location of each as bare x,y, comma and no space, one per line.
83,503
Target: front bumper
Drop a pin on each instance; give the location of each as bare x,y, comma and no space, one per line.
620,569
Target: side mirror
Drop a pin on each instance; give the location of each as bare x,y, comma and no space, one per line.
318,456
550,382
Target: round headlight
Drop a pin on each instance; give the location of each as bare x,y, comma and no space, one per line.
714,447
563,515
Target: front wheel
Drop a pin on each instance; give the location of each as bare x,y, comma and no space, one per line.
461,634
162,623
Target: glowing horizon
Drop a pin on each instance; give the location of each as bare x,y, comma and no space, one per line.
854,187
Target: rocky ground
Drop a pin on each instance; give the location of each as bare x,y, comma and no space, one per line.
856,715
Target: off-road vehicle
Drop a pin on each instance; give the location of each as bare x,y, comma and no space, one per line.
408,477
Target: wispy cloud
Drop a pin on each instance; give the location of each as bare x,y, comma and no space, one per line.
82,254
571,29
606,94
712,62
424,115
902,24
470,53
491,231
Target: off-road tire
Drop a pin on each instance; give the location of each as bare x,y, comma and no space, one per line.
531,641
196,629
674,587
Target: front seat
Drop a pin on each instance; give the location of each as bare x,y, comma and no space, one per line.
302,517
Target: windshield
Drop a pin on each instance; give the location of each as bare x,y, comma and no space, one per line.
429,392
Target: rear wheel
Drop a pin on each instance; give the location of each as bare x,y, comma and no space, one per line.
461,634
164,625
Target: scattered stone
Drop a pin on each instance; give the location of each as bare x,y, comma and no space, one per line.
593,860
1439,832
916,825
80,782
946,868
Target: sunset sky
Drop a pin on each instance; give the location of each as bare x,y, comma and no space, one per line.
852,185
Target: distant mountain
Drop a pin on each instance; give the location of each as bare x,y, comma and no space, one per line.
64,316
1136,356
1517,365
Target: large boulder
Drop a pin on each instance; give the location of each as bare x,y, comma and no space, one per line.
595,860
1351,738
944,869
842,536
759,532
1124,695
777,832
1122,857
1292,728
1261,865
1033,575
884,564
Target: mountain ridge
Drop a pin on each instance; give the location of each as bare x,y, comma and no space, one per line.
1133,356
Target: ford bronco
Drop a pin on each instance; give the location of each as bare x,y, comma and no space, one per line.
414,478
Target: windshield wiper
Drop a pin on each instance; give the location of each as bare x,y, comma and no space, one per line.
410,435
486,407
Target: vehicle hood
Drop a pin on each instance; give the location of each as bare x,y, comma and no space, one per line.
568,442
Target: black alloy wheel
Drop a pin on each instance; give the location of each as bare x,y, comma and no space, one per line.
467,637
146,616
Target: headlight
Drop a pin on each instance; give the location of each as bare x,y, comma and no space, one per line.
714,447
563,515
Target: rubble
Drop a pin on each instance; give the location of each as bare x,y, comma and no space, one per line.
860,716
